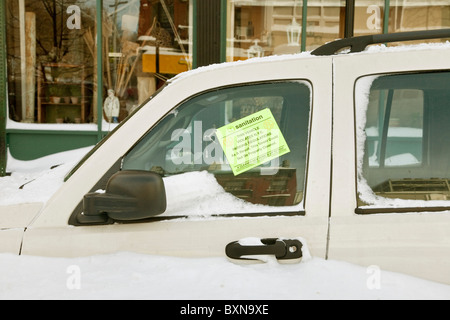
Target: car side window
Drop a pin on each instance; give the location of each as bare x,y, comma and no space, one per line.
198,174
402,133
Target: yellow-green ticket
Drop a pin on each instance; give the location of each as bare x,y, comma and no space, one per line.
252,141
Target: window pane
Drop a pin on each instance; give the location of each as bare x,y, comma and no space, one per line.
414,15
403,141
256,29
403,150
48,57
264,28
184,148
325,22
145,43
368,17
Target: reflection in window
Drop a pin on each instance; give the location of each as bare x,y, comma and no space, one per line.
416,15
145,43
52,56
184,149
401,144
264,28
405,138
368,17
325,22
49,61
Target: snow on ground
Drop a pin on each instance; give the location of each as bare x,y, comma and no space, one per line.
126,275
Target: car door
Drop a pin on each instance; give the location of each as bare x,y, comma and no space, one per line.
390,195
208,205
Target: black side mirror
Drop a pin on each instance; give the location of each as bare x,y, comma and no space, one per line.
129,195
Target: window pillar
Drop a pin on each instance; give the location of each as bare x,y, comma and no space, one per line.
3,91
349,18
208,32
99,47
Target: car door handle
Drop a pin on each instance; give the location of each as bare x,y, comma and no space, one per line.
282,249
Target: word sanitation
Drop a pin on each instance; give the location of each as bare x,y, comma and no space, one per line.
228,309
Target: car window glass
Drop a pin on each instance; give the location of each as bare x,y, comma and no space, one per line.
185,150
403,132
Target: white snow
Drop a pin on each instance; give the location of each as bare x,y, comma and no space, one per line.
412,47
372,49
106,126
197,194
397,132
36,180
127,275
217,66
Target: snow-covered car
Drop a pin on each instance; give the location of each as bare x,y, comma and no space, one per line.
345,152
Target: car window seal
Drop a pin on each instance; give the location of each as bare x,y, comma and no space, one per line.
370,210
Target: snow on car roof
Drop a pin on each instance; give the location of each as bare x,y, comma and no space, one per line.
373,49
225,65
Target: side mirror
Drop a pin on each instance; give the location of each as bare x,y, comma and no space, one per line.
129,195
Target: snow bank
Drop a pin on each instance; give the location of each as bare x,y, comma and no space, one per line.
37,180
127,275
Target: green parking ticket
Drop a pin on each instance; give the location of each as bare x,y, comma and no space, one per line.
252,141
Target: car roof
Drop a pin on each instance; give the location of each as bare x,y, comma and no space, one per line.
358,44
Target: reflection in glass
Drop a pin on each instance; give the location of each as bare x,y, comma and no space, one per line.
405,152
145,43
49,61
184,144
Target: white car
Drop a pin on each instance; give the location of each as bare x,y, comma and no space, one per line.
348,153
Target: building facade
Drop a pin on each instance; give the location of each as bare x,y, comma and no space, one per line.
71,70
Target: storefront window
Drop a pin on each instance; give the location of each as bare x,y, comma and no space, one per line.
368,17
49,60
325,22
52,56
263,28
414,15
51,46
145,42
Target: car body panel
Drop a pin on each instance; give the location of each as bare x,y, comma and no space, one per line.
414,243
19,215
14,219
50,233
